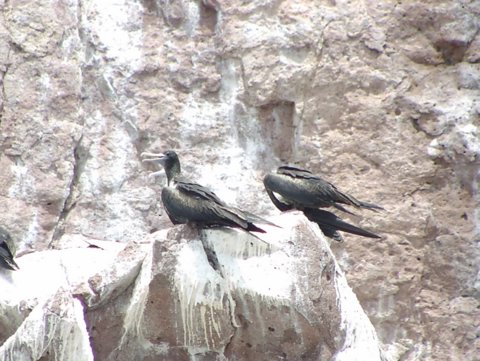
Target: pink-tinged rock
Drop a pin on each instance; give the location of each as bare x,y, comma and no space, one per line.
283,299
381,98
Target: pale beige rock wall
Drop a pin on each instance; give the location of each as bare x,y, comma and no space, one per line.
383,98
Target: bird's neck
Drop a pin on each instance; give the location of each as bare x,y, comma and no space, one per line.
173,173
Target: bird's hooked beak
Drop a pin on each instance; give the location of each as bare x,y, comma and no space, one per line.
154,157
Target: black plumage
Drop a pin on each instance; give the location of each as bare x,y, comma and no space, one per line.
188,202
7,251
302,189
330,224
295,188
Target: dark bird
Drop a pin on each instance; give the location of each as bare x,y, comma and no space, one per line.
7,251
300,189
328,222
185,201
294,188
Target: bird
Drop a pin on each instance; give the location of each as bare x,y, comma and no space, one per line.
300,189
328,222
188,202
295,188
7,251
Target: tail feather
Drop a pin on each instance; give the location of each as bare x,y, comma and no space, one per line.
9,263
253,228
6,257
350,200
371,206
331,223
251,219
341,208
254,218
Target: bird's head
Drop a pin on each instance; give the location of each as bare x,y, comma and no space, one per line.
169,161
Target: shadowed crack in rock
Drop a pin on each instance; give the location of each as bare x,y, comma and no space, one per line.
80,156
215,264
79,152
211,255
319,46
3,92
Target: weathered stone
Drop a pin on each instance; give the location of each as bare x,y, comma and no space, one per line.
379,97
44,303
265,301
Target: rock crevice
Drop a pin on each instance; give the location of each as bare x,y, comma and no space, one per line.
381,98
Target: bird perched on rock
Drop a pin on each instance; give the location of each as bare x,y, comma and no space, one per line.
187,202
295,188
7,251
300,189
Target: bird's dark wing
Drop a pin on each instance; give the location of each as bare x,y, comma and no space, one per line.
295,172
6,257
330,222
309,190
330,232
5,251
253,218
190,202
228,215
339,197
290,193
324,190
279,204
223,215
327,191
199,191
241,218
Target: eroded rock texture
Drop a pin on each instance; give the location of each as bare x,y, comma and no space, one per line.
286,299
382,98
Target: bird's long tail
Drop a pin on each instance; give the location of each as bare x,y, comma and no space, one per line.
8,263
350,200
256,219
251,219
329,223
371,206
254,228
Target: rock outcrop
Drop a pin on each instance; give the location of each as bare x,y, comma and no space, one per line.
382,98
286,299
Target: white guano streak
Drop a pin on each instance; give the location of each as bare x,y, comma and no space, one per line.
361,342
199,286
118,26
248,268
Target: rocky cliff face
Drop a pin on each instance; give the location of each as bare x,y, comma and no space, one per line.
286,299
382,98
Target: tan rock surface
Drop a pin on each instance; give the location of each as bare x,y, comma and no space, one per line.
285,299
382,98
